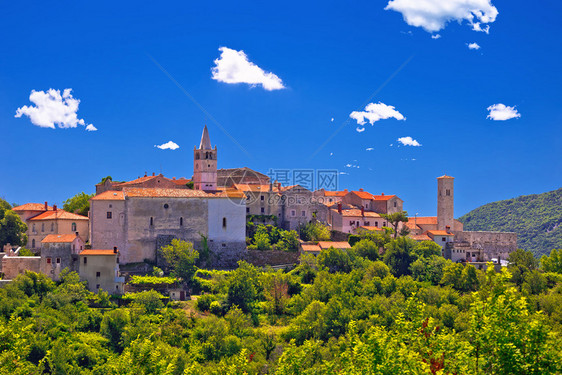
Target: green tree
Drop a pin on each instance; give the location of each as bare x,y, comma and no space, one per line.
367,249
452,276
552,263
429,269
12,229
244,287
79,204
315,231
336,260
395,219
181,257
427,249
521,262
399,255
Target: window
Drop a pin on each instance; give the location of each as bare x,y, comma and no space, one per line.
448,192
109,214
263,210
151,221
33,228
85,260
33,243
224,222
394,204
303,213
116,287
262,197
48,260
367,223
166,206
58,260
53,227
110,206
293,213
73,227
42,227
247,210
444,239
98,274
376,224
97,286
181,221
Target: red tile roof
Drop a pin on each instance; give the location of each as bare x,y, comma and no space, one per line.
254,187
335,244
180,193
336,193
58,215
59,238
363,194
32,207
110,195
419,237
423,220
383,197
356,212
439,233
310,247
98,252
371,228
181,181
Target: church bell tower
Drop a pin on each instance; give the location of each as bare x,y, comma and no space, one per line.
205,164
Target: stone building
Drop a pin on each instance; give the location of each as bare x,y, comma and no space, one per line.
349,219
100,269
245,175
14,265
381,204
299,206
154,181
328,197
205,164
43,220
60,251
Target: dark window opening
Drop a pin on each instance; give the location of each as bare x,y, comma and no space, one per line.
262,197
109,214
73,227
98,274
48,260
33,243
58,260
224,222
262,210
97,286
151,221
85,260
181,221
166,205
448,192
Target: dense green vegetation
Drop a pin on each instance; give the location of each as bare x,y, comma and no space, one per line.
12,229
270,237
537,220
78,204
387,307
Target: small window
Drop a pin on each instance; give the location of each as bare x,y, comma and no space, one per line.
303,213
97,286
376,224
109,214
110,206
33,243
166,206
33,228
73,227
48,260
116,287
58,260
53,227
151,221
444,239
224,222
181,221
98,274
85,260
262,197
367,223
448,192
42,227
263,210
394,204
247,210
293,213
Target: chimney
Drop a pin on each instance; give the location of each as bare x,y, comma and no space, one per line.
339,207
54,207
46,206
279,186
382,194
174,178
448,229
153,173
76,234
115,250
345,190
363,211
361,189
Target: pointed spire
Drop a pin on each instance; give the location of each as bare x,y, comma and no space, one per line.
205,140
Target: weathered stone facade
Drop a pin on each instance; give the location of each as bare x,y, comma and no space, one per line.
60,252
12,266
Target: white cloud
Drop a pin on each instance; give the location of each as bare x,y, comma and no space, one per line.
433,15
349,165
91,128
369,149
408,141
331,153
359,129
344,173
168,146
502,112
234,67
375,112
52,108
473,46
332,120
436,36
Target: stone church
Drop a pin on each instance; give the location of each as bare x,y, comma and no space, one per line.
141,216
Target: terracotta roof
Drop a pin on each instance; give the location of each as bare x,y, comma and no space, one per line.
356,212
254,187
444,176
334,244
371,228
423,220
439,233
32,207
181,181
180,193
336,193
419,237
58,215
310,247
363,194
285,188
56,238
110,195
98,252
383,197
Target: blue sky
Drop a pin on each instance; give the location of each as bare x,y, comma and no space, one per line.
332,58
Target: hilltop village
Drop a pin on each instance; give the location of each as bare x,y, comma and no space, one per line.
130,221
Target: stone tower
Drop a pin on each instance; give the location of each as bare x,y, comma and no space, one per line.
205,164
445,202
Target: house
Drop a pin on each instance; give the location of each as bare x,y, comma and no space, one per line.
310,248
245,175
43,220
347,218
382,204
154,181
329,197
100,269
60,251
340,245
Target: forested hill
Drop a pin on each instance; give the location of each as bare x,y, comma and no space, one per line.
537,220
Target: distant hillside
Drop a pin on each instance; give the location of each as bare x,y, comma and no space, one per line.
537,219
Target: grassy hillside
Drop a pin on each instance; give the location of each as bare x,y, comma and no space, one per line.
537,219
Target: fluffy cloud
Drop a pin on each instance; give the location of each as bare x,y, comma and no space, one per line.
433,15
375,112
234,67
473,46
52,109
502,112
369,149
359,129
436,36
168,146
408,141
